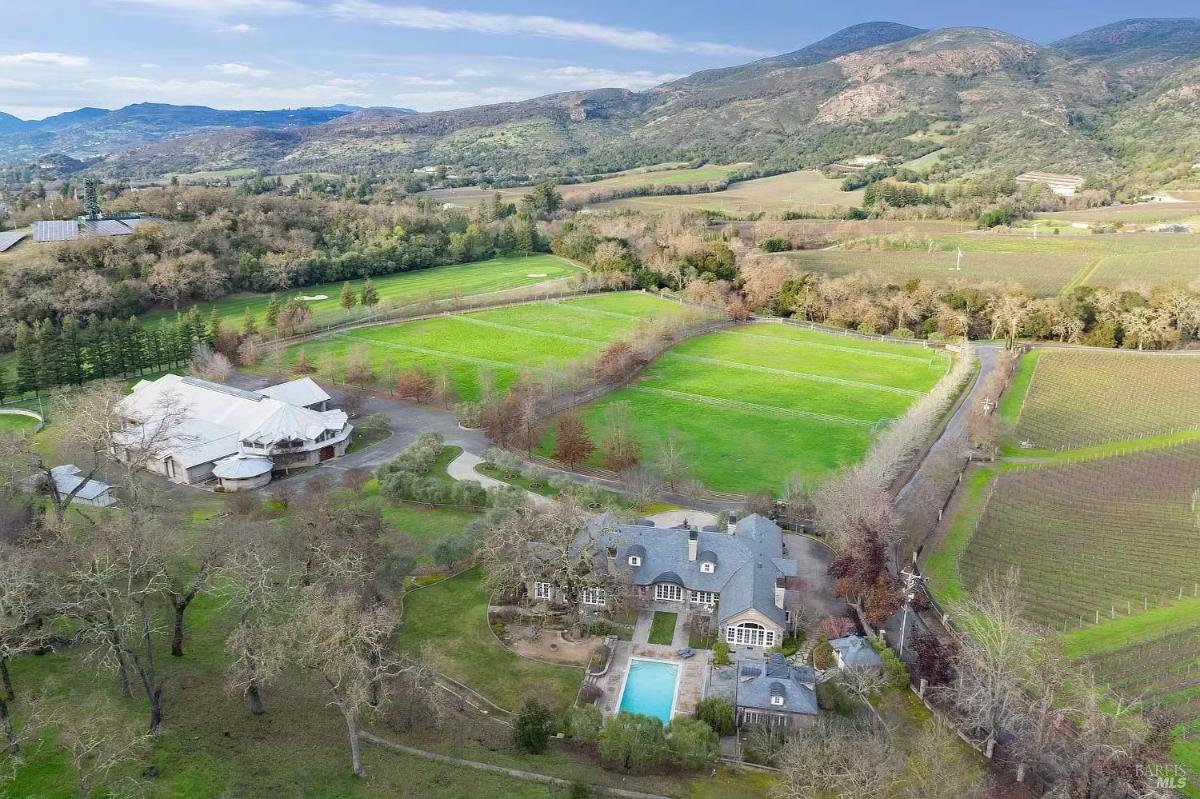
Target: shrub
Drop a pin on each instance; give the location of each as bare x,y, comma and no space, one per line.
693,743
720,652
590,692
831,698
499,628
583,722
836,627
762,744
469,414
599,658
375,423
896,670
776,245
633,742
717,713
822,655
532,730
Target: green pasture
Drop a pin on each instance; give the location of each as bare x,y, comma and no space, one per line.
539,337
11,423
399,289
752,405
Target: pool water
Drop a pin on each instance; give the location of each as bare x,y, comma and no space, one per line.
650,688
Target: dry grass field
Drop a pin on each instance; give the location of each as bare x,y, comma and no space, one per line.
1136,214
1040,274
790,191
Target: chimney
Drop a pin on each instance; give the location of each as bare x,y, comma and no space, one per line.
693,539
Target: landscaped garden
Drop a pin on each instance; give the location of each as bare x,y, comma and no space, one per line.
750,406
448,622
662,628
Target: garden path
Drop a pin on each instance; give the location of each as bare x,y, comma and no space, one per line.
463,468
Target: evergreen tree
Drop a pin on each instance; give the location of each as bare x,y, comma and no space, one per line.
370,294
49,355
249,327
135,345
91,198
72,364
28,370
214,326
347,299
272,310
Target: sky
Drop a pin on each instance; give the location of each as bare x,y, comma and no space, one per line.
57,55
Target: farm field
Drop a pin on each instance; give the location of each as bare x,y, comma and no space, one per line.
793,190
1115,536
1041,274
1153,658
503,341
1083,398
1135,214
751,406
400,289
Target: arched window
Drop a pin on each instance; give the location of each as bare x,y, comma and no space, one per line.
749,634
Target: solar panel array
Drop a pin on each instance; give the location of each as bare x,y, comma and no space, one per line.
71,230
58,230
10,237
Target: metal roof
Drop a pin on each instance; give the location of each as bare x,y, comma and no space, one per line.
10,237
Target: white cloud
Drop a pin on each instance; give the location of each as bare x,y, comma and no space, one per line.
150,66
224,7
473,73
9,83
241,27
44,60
227,94
416,80
425,18
573,77
239,70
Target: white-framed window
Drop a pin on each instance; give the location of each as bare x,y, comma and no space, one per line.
704,598
749,634
707,567
668,592
542,590
787,616
593,596
777,700
634,560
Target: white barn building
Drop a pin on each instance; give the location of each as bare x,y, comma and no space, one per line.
194,430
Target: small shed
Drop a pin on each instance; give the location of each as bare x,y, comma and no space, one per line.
242,472
855,651
67,478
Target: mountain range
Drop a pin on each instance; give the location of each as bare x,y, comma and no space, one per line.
1121,99
90,132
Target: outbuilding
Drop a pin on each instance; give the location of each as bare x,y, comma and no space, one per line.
242,472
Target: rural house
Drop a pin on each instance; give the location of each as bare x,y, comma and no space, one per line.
191,430
737,576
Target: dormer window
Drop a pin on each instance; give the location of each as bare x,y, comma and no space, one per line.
707,567
777,700
634,560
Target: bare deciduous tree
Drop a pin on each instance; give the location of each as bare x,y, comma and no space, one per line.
259,590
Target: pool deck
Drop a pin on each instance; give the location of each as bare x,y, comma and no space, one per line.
693,674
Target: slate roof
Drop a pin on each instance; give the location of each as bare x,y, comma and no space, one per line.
749,562
757,683
856,651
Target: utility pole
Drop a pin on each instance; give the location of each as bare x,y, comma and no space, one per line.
911,581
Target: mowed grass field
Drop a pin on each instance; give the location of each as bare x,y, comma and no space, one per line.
752,405
400,289
539,338
790,191
1135,214
1082,398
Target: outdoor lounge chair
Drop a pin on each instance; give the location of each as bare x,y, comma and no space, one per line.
686,653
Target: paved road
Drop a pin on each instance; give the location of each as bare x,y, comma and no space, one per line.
407,421
463,468
956,428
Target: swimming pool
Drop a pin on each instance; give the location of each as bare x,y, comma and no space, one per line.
650,688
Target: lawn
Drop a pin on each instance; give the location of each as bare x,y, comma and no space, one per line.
790,191
448,621
12,424
540,338
941,568
1081,398
662,628
400,289
752,405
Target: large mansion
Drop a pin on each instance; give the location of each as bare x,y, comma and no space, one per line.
193,431
740,575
